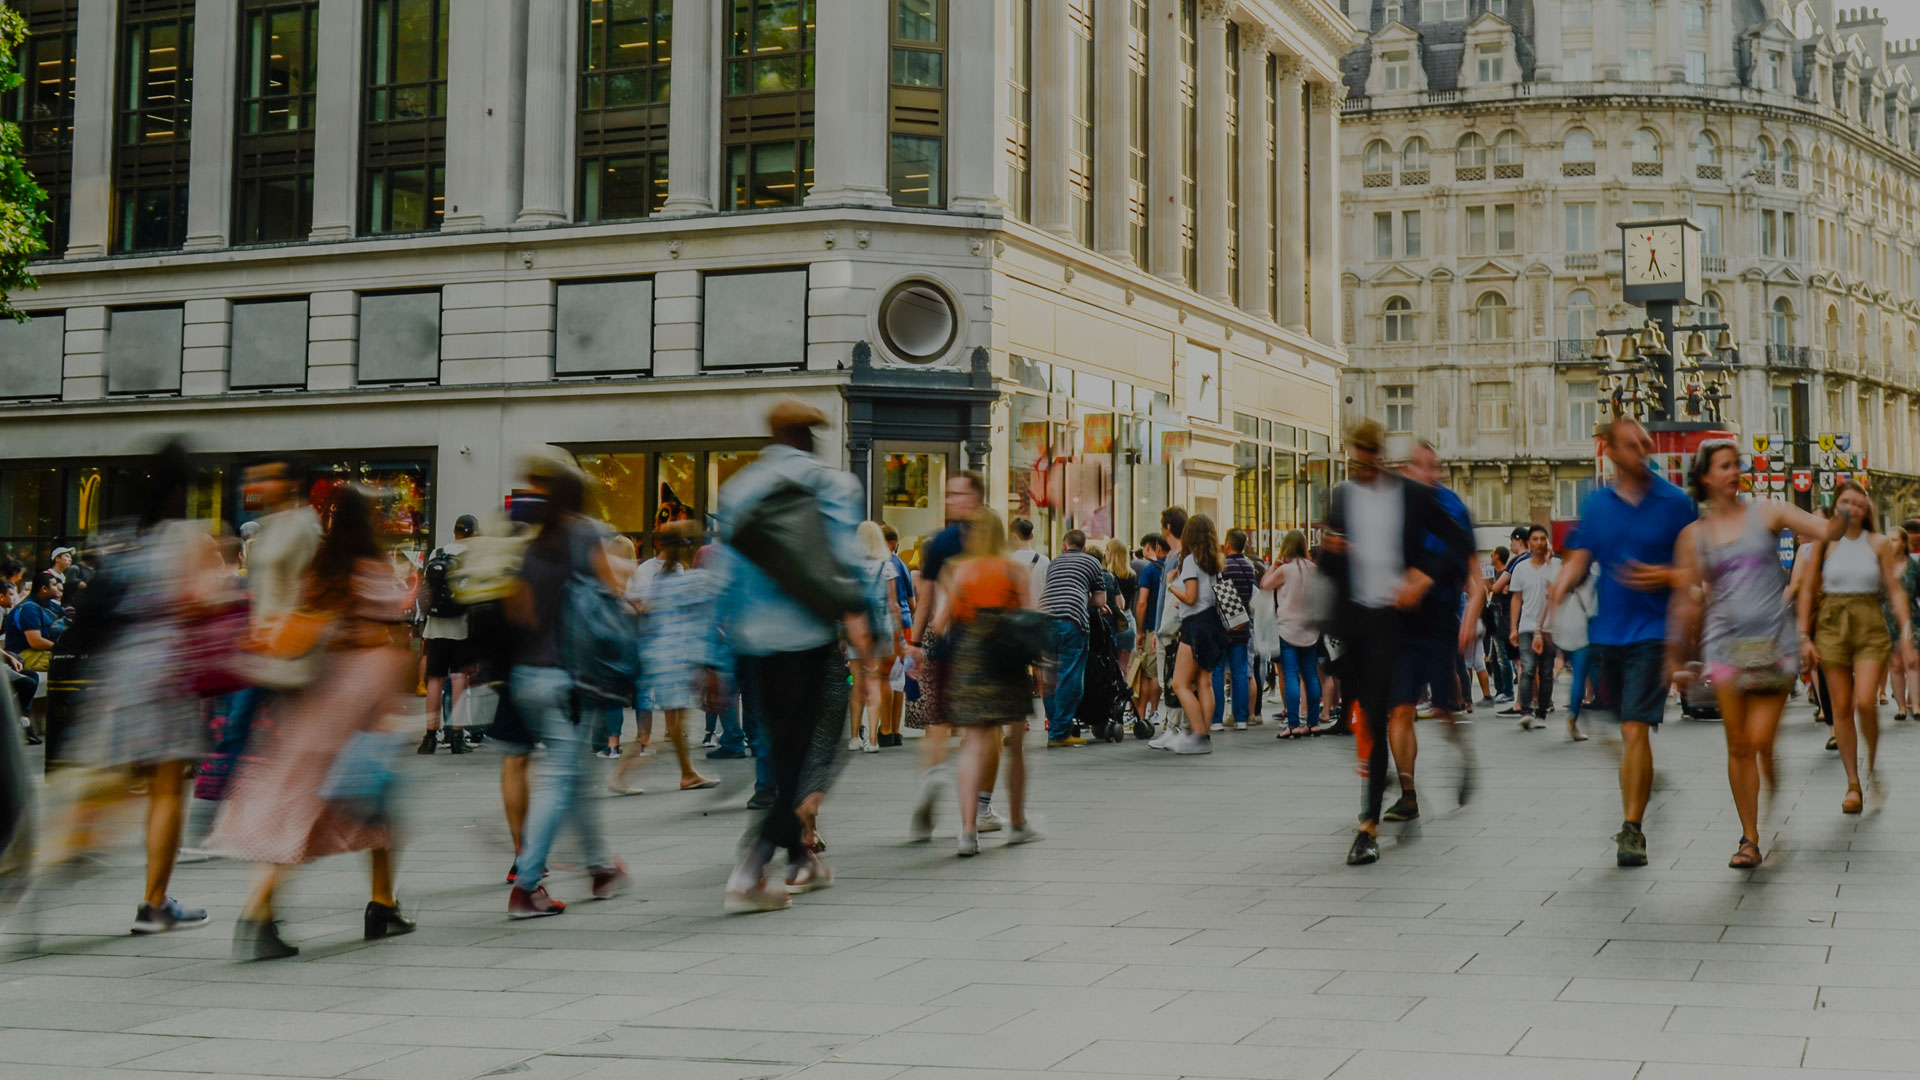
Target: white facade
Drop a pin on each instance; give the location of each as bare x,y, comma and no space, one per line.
1519,135
515,324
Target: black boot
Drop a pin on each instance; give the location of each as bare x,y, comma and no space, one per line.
427,742
384,921
456,741
260,941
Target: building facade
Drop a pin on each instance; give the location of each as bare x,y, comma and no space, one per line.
1090,246
1491,148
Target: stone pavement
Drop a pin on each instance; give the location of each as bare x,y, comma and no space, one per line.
1185,917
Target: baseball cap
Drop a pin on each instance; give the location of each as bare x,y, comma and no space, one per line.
1520,532
59,551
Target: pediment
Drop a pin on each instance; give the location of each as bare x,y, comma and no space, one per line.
1772,31
1397,275
1396,33
1488,23
1492,268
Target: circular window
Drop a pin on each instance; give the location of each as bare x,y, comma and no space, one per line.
918,321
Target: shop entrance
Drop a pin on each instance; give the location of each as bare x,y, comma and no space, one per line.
909,486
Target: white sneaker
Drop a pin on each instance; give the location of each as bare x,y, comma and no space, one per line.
1192,744
969,844
1218,727
1025,833
857,745
1238,726
920,827
1167,735
868,746
990,821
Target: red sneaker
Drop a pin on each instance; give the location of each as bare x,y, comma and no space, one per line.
522,904
608,882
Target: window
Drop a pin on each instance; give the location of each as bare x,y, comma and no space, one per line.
155,124
1576,65
1476,230
1569,493
1639,14
913,180
403,152
1709,229
1397,323
1776,64
1763,152
1768,232
1577,147
1471,152
1577,15
1645,147
1383,236
273,174
1442,10
1639,65
1506,148
1789,235
1712,309
1780,326
1644,210
1393,11
1491,500
1781,412
1396,72
1498,7
1378,159
1583,410
1581,236
1583,320
1491,63
1491,405
1706,149
1503,231
768,104
1696,67
1399,409
1410,234
1493,320
43,108
626,51
1696,15
1413,154
1019,106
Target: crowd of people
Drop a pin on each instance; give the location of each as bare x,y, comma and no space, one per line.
272,674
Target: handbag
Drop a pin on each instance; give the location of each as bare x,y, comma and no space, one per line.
208,647
1757,661
1017,639
360,785
286,654
1233,611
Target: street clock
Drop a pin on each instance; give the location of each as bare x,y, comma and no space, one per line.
1660,261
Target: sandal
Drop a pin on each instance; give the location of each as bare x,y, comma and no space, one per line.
1747,856
1853,802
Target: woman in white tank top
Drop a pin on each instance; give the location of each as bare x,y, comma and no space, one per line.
1852,577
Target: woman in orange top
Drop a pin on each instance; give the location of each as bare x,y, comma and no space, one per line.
986,691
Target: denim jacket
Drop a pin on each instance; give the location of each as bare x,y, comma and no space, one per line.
754,616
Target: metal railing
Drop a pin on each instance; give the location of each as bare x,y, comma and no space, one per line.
1790,356
1706,172
1649,168
1572,351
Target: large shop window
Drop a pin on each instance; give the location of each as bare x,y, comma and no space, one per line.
273,172
403,184
626,54
32,357
155,94
768,107
637,490
43,107
402,493
1276,487
913,489
756,320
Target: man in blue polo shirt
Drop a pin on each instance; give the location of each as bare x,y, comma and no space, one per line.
1629,528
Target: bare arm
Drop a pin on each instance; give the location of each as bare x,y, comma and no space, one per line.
1476,600
1891,558
1785,515
1513,621
1273,577
1809,589
1685,605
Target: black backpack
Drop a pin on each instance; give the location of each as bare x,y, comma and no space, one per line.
437,576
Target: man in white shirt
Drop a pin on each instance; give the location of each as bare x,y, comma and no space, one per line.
1530,580
449,661
1036,562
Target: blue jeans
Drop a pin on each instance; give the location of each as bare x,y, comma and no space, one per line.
1578,662
754,724
1069,677
1300,664
1237,664
607,722
562,782
733,739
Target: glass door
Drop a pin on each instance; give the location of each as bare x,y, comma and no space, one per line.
909,487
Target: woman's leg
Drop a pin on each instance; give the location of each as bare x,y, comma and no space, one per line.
1840,707
166,786
1310,678
259,905
1292,665
381,873
676,721
1184,673
1016,759
1866,714
974,739
1743,774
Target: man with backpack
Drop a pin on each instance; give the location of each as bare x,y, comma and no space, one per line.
445,634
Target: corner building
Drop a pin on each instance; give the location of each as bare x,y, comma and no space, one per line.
1491,147
1087,245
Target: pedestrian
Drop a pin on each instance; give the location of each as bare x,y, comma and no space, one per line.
1570,637
989,696
1629,529
1145,674
1122,599
1897,674
783,611
1732,557
1072,584
1498,619
900,580
1853,575
867,698
567,552
1203,636
1174,721
1293,579
1035,562
1381,567
675,639
445,638
1528,583
1232,681
275,815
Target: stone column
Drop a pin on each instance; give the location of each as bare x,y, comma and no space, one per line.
1292,256
91,230
485,114
1324,215
1215,152
549,134
850,104
1111,128
691,138
1163,140
1720,46
1052,204
216,50
336,121
1546,43
1255,260
977,91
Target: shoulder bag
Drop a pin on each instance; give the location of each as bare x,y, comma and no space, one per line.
1233,612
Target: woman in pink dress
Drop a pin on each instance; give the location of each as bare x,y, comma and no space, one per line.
275,815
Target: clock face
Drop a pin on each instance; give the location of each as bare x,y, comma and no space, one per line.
1654,255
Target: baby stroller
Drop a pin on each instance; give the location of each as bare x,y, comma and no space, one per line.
1106,704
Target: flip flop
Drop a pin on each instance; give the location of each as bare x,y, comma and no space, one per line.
703,782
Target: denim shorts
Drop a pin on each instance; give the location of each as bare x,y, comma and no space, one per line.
1628,683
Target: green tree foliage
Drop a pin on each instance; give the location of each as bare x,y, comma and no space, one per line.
21,219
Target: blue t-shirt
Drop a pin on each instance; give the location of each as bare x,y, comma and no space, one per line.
1439,613
32,615
946,544
1617,532
1151,582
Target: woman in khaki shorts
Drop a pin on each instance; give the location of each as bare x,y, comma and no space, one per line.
1852,577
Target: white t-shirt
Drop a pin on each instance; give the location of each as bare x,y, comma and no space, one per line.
1190,571
1375,514
1531,582
640,585
1036,564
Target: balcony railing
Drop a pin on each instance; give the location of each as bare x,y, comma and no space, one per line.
1469,172
1413,177
1576,168
1376,179
1790,179
1713,264
1706,172
1586,260
1514,171
1763,175
1571,351
1649,168
1790,356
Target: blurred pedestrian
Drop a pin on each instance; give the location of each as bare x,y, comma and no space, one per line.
1292,580
675,636
445,636
868,699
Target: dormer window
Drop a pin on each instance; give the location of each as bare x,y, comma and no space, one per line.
1396,70
1492,63
1497,7
1639,14
1393,13
1776,64
1444,10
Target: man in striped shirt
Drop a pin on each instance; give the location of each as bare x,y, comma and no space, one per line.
1073,581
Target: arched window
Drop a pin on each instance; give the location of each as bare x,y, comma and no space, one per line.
1577,147
1860,338
1493,320
1788,161
1471,152
1833,330
1710,308
1506,148
1583,321
1397,321
1379,158
1413,154
1645,147
1706,149
1764,149
1780,324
